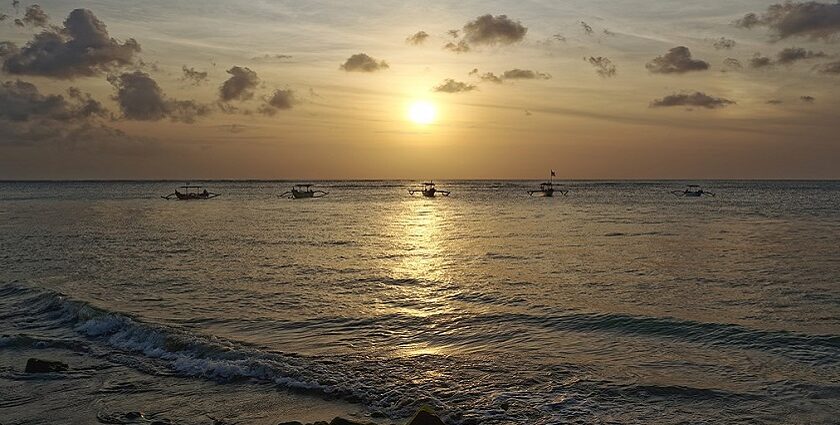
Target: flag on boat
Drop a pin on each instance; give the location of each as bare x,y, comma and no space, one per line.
552,174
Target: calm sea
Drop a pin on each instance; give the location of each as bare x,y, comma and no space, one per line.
619,303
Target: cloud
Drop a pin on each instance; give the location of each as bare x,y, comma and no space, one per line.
807,99
587,29
454,33
487,76
609,33
193,76
451,86
417,38
27,116
698,99
677,61
758,61
559,37
3,17
361,62
279,100
774,102
732,63
35,16
794,54
141,99
809,19
461,47
491,30
240,86
81,48
524,74
603,66
724,43
832,68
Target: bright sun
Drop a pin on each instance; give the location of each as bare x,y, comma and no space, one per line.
422,112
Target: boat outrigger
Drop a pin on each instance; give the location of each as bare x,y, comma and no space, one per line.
692,190
301,191
191,193
547,188
428,190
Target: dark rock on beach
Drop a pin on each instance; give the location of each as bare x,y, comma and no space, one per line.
34,365
422,417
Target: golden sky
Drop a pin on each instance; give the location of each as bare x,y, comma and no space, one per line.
325,89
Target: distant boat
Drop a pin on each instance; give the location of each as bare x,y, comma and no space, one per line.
191,193
303,191
547,188
693,191
428,190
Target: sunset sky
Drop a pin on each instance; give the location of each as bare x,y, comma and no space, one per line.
386,89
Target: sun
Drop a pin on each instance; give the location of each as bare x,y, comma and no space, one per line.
422,112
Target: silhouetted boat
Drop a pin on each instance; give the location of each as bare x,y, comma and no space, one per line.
303,191
191,193
692,190
547,188
428,190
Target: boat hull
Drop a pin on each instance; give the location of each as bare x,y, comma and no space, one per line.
302,195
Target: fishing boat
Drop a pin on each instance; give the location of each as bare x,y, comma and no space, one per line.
693,191
191,193
547,188
303,191
428,190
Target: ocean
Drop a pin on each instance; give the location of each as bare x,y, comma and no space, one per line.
619,303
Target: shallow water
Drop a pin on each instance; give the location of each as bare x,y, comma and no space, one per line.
618,303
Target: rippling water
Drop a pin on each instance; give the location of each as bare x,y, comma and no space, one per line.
619,303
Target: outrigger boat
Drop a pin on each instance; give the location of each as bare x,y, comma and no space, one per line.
428,190
191,193
547,188
692,190
301,191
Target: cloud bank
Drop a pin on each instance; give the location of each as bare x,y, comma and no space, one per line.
696,99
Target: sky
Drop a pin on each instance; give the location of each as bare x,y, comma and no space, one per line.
268,89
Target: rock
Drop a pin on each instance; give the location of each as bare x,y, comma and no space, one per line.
423,417
34,365
291,423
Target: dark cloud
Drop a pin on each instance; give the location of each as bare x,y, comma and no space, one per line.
27,116
809,19
832,68
603,66
240,85
724,43
361,62
774,102
609,33
512,74
3,17
492,30
696,99
279,100
460,47
141,99
417,38
35,16
524,74
759,61
559,37
807,99
454,33
193,76
81,48
451,86
587,29
794,54
677,61
732,63
272,58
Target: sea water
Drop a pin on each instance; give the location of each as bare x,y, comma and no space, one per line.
619,303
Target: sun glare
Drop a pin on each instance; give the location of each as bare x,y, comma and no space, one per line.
422,112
